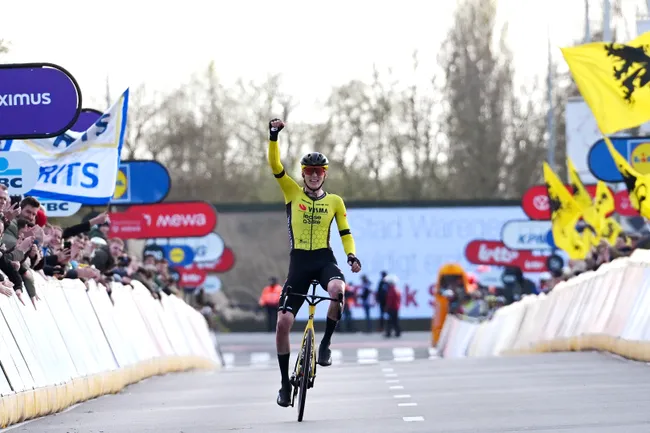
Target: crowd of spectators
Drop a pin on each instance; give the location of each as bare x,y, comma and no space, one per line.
484,296
624,246
29,244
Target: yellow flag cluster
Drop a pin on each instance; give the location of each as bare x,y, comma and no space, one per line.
614,80
568,209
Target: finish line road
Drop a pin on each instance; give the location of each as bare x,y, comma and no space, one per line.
570,392
258,349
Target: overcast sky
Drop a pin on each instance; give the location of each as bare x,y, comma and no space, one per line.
163,43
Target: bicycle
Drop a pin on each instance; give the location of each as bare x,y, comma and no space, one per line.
304,372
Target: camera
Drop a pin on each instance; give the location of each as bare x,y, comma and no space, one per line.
123,261
67,245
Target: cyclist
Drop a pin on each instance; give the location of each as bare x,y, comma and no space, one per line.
310,212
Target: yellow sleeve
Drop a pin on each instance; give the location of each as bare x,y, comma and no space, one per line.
344,228
287,184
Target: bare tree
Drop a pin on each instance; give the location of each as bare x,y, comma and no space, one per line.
4,46
526,142
478,91
382,139
213,138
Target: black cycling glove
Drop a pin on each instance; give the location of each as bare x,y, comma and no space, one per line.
352,259
274,130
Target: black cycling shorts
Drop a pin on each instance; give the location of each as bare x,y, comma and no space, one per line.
304,267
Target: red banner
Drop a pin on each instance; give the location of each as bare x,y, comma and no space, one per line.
536,206
191,277
623,205
164,220
223,264
495,253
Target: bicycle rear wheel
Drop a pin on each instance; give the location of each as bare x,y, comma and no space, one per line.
305,374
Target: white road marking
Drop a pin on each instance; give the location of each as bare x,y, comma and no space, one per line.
392,381
396,387
337,357
406,404
403,354
402,396
413,418
367,353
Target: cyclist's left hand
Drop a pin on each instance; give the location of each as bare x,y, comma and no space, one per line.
354,263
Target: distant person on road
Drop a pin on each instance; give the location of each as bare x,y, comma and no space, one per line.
364,298
393,304
380,296
350,298
270,300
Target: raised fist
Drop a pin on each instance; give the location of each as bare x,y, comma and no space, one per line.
275,126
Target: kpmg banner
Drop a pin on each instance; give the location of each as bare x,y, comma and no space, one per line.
141,182
79,167
37,100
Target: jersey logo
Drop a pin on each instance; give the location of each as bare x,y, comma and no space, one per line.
302,207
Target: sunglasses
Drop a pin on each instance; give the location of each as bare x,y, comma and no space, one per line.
311,170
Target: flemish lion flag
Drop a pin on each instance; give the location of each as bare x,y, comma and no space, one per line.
565,213
614,80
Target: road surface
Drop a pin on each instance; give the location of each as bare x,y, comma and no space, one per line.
568,393
258,349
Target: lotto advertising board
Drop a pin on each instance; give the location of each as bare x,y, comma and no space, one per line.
414,243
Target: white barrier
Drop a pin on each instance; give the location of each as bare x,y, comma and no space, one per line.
606,310
77,345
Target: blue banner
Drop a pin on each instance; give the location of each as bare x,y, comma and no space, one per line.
178,255
141,182
635,149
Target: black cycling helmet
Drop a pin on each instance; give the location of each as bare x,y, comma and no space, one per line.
314,159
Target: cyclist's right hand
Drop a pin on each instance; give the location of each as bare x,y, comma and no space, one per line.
275,126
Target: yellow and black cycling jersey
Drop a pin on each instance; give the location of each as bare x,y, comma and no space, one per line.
310,219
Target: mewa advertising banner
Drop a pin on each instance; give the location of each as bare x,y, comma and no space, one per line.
173,219
37,100
413,243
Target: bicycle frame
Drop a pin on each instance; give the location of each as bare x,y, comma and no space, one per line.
312,300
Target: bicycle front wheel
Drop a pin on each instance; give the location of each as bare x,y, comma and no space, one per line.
305,374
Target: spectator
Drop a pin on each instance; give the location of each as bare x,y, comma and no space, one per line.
393,304
270,301
380,296
30,244
105,256
350,301
364,297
